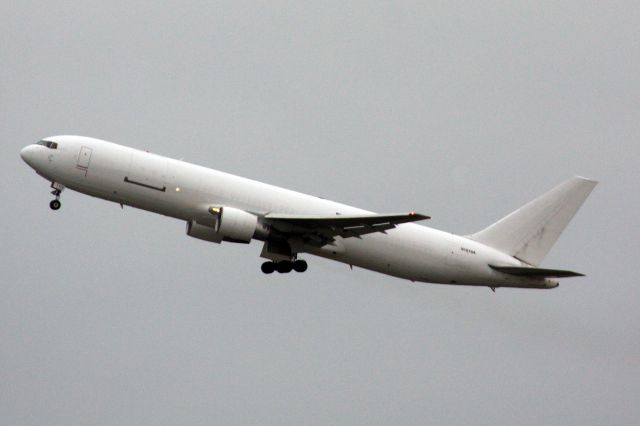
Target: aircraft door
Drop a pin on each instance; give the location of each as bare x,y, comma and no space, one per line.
84,158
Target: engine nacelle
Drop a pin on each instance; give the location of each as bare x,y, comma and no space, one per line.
226,224
235,225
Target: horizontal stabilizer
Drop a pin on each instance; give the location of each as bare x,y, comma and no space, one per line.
535,272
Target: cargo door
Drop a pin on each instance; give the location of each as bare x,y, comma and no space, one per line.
147,171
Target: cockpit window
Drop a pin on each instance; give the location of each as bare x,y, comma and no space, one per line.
48,144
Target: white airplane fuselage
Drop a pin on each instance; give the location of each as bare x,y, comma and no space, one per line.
182,190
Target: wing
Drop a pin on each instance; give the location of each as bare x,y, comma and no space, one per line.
321,230
536,272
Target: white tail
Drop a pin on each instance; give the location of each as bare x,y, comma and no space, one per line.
529,232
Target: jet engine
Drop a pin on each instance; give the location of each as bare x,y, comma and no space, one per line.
227,224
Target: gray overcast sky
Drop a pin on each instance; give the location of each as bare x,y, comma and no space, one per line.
460,110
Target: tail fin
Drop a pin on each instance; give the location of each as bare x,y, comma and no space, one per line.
529,232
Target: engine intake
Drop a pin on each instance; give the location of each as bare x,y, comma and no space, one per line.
203,232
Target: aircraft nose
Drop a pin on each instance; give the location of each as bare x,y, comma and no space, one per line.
27,154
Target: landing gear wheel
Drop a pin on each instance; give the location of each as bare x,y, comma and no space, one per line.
300,265
55,204
284,267
268,267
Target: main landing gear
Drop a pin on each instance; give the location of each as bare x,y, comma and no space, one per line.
57,190
284,266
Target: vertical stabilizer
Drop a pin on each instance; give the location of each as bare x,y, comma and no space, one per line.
529,232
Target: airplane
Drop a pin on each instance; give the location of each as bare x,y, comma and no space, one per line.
220,207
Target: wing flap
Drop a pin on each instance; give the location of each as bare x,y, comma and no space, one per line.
535,272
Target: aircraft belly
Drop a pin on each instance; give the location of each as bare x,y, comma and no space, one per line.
385,253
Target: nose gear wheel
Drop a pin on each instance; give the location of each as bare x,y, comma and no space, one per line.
57,190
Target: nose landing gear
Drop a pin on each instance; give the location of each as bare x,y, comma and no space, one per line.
284,267
57,190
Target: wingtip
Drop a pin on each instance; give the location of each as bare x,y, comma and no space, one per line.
586,179
419,216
